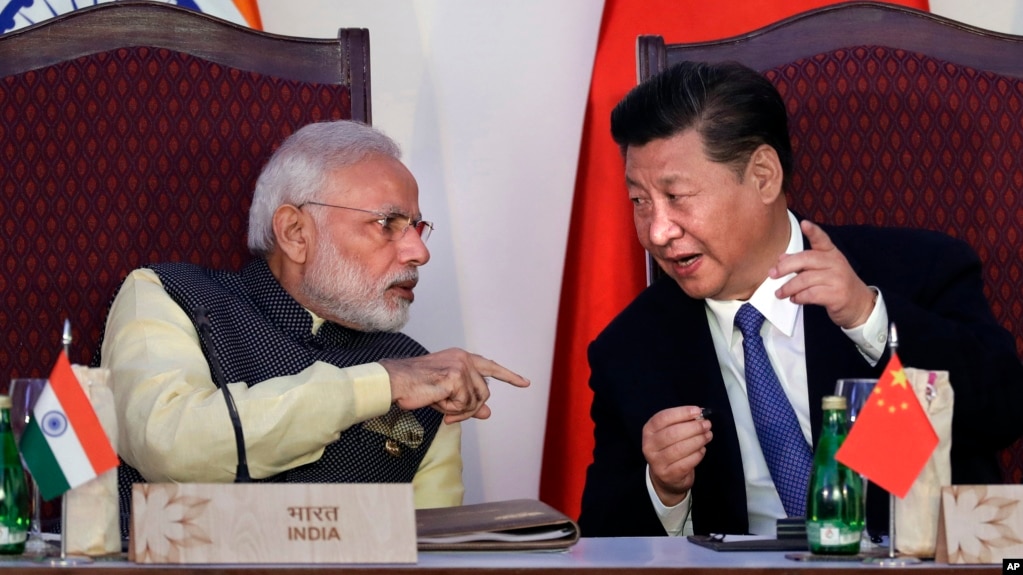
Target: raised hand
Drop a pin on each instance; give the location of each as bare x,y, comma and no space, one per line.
674,443
451,381
825,278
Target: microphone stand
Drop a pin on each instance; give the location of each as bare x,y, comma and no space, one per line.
202,322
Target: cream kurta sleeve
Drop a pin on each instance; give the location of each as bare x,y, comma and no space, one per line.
173,421
438,482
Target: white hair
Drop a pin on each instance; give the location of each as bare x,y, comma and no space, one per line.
297,172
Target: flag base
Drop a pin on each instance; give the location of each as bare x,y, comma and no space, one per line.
68,561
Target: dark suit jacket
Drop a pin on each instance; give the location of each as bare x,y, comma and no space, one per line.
658,354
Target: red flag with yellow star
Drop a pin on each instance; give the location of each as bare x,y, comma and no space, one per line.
892,437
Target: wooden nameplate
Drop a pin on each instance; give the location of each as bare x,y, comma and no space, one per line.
272,523
980,524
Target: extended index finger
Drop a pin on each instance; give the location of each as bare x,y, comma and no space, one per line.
490,368
801,261
819,239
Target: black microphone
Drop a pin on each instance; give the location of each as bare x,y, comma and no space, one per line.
202,321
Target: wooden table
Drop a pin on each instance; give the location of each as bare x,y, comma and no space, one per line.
618,556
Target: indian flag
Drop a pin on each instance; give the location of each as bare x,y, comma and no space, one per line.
16,14
64,444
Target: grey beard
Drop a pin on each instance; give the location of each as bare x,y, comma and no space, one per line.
341,291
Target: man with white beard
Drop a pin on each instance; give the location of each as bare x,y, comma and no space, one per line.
306,335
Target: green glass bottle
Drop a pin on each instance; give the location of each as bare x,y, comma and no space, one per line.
14,501
834,505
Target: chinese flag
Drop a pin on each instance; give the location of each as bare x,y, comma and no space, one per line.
892,437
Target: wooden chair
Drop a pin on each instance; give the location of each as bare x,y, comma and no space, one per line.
898,118
133,132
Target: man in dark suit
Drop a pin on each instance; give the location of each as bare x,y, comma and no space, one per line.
707,153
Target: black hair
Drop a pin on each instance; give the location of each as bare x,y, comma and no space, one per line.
733,108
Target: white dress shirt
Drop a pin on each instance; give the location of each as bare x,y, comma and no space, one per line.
785,342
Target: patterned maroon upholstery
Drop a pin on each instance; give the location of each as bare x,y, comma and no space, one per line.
133,132
923,137
892,138
119,159
114,158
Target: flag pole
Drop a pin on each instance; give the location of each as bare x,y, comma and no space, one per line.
891,560
64,559
893,345
66,341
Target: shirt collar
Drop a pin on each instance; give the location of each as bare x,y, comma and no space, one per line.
317,321
781,313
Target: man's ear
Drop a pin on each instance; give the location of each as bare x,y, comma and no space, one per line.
765,170
293,230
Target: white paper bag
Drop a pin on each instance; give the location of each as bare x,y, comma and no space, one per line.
916,515
92,518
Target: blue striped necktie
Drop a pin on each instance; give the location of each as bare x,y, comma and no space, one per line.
789,457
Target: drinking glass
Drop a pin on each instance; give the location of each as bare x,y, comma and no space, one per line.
855,391
24,393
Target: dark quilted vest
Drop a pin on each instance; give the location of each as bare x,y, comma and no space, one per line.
252,307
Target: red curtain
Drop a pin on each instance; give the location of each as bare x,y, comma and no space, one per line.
605,267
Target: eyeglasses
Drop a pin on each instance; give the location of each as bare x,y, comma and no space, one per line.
394,225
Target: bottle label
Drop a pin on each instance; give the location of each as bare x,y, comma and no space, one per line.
832,534
11,537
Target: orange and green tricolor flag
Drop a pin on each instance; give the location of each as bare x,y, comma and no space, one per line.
892,437
15,14
64,444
